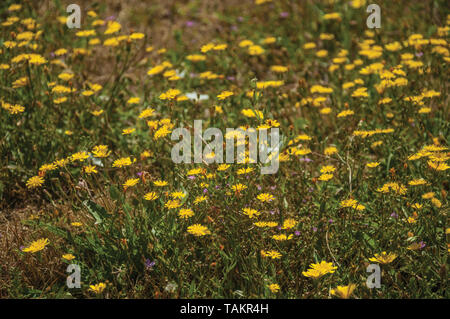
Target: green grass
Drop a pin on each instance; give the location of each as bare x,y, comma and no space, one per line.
120,232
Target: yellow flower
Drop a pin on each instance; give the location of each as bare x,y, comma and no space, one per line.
372,164
198,230
101,151
185,213
274,288
151,196
170,94
223,167
244,170
269,40
343,292
330,150
65,76
172,204
352,203
325,110
416,182
60,100
111,42
250,212
196,57
325,177
289,223
200,199
279,68
327,169
146,113
265,197
20,82
14,7
68,257
309,45
238,187
128,131
321,53
35,181
177,195
224,95
136,36
121,162
395,187
98,288
436,202
438,166
384,258
76,224
133,100
282,237
320,89
90,169
79,156
160,183
345,113
36,246
428,195
59,89
326,36
267,84
112,27
255,50
85,33
194,171
130,182
320,269
271,253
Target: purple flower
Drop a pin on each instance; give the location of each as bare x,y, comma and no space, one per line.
279,227
149,264
314,229
205,191
240,19
258,187
190,23
139,174
297,233
330,220
422,245
191,177
394,215
231,78
284,14
110,18
419,54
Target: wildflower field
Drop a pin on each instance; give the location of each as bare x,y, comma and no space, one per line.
87,180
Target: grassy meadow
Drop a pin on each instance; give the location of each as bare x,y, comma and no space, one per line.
87,178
